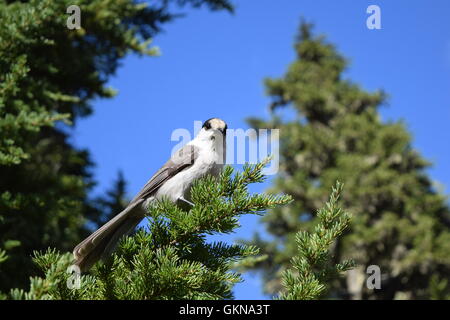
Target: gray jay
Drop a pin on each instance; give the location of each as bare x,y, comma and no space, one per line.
205,154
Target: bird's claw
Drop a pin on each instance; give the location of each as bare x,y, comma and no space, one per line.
183,200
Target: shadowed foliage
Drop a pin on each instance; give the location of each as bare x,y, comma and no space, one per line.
50,74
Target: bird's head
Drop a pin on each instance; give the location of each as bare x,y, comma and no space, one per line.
213,129
213,136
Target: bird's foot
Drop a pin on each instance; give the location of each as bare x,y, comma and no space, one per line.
184,201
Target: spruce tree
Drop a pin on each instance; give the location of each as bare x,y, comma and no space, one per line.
400,221
172,259
49,74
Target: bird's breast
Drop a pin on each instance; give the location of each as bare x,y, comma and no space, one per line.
180,184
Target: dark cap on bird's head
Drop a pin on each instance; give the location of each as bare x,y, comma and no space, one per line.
215,124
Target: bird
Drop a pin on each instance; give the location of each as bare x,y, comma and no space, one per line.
203,155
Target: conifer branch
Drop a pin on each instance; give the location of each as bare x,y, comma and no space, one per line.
172,259
313,267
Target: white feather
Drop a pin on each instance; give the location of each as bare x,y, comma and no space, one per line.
211,158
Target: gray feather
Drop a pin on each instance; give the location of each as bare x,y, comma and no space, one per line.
102,242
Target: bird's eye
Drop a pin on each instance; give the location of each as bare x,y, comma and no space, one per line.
207,125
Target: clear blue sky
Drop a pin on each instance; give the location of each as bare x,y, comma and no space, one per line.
213,64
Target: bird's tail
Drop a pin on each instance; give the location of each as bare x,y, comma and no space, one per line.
102,242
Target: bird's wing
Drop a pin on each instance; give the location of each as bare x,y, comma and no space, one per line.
181,160
90,249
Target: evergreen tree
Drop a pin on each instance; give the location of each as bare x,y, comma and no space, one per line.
401,223
49,73
173,259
